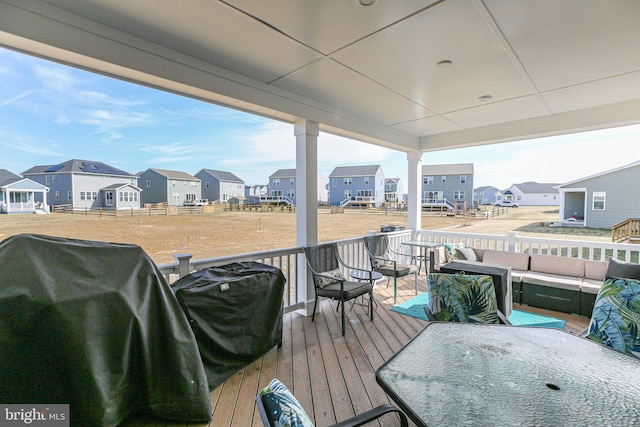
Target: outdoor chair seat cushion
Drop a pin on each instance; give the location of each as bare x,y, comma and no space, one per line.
615,321
401,270
351,289
281,406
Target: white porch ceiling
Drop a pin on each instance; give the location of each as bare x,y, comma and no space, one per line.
370,73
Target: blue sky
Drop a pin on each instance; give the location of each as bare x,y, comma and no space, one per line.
50,113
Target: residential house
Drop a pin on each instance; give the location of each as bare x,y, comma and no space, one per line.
485,195
603,199
220,186
87,184
357,186
21,195
253,193
282,188
393,190
167,186
531,194
448,186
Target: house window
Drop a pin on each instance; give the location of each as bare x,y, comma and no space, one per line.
53,178
94,195
364,193
57,195
348,181
599,198
366,180
463,179
207,184
458,195
194,185
148,183
173,183
276,181
176,196
47,179
69,195
444,179
347,194
334,182
82,195
291,193
292,181
427,180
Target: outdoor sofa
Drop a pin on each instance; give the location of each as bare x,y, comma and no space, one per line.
556,283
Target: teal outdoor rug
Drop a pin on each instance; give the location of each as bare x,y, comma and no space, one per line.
413,308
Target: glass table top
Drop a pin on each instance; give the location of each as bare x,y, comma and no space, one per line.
470,374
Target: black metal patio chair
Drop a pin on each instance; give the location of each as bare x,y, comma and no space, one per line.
326,266
383,260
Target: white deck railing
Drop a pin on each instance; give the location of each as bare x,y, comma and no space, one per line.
293,264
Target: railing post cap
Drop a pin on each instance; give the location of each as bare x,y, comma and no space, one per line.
182,256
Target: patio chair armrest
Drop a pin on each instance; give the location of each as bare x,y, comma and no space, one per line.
503,319
373,414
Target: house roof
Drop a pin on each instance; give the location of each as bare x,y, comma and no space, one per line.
7,177
178,175
119,186
395,180
485,188
630,165
222,175
423,75
352,171
536,188
78,166
283,173
451,169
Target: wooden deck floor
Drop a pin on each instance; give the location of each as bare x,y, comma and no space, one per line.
332,376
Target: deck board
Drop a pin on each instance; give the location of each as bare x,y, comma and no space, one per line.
332,376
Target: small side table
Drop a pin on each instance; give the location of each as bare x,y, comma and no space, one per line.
362,275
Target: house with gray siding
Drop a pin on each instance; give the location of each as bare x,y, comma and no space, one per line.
21,195
601,200
220,186
357,186
167,186
393,191
531,194
448,186
86,184
485,195
282,188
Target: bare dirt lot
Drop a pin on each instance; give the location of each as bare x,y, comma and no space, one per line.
227,233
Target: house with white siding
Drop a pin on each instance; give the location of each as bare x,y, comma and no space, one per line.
601,200
86,184
21,195
531,194
220,186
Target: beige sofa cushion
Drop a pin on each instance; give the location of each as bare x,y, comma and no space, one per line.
553,280
517,261
591,286
596,270
560,266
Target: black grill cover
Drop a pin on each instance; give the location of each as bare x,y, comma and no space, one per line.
96,326
235,312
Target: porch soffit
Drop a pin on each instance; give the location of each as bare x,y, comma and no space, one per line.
519,69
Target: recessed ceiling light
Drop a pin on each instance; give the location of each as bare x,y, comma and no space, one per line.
485,98
366,2
444,64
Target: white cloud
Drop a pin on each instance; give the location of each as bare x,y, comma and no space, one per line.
16,98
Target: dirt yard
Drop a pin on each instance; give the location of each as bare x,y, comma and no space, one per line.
228,233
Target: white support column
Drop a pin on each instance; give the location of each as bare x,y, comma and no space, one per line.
414,188
306,133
